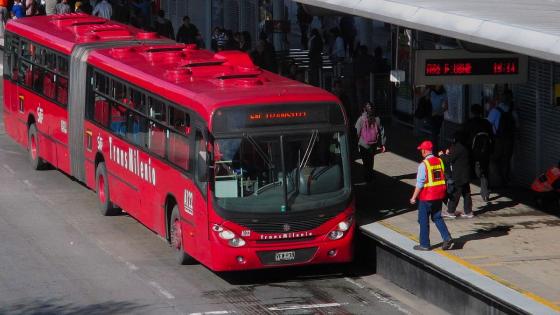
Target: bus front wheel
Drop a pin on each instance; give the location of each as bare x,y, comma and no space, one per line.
36,161
106,207
176,238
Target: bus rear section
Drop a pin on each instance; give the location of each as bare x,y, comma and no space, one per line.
280,191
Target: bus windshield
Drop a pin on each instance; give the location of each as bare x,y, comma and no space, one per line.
279,173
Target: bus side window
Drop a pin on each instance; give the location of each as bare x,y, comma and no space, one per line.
137,126
179,150
49,86
158,110
37,79
118,120
25,74
62,90
201,161
156,138
62,65
10,51
101,110
101,83
138,100
180,120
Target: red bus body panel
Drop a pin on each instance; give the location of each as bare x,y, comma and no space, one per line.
142,183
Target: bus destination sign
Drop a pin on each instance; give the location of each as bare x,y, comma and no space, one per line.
480,66
238,119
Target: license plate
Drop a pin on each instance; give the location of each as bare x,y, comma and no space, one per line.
285,256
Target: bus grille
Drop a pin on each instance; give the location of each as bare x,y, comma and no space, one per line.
283,225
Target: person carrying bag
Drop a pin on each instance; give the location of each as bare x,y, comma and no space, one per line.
371,137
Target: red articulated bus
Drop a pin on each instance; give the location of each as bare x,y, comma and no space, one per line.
236,167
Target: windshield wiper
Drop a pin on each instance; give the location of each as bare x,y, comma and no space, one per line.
309,149
266,158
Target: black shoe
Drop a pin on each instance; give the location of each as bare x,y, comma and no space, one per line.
421,248
447,244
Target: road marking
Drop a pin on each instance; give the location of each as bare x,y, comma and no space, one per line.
131,266
28,183
383,299
303,307
212,313
9,169
354,283
161,290
10,152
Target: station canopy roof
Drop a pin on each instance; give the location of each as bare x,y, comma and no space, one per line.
530,27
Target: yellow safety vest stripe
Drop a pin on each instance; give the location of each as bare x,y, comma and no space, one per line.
429,171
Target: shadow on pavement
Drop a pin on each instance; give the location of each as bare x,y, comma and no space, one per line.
480,234
384,198
287,274
55,306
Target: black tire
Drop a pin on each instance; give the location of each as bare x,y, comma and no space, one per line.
37,163
176,239
106,207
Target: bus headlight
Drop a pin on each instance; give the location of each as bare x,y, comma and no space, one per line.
232,239
335,235
341,228
236,242
227,234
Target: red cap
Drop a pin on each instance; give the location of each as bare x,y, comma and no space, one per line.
426,145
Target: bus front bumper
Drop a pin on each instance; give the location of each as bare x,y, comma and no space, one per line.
226,258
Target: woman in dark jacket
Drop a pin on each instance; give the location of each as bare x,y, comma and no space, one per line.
457,158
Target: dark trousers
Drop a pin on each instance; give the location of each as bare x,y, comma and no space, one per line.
503,151
427,209
435,127
368,161
460,190
481,171
304,39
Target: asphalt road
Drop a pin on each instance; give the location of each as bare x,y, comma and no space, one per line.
58,255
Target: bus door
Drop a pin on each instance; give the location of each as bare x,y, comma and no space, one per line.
195,197
59,121
10,78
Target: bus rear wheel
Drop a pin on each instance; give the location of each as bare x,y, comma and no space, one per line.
106,207
176,238
37,163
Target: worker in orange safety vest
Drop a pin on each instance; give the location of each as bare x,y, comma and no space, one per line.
430,191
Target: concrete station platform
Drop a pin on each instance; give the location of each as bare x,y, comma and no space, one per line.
509,249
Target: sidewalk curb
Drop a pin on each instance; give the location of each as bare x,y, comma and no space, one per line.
488,295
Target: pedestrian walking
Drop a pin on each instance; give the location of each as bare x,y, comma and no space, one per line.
50,7
163,26
30,8
457,158
430,191
3,16
371,137
504,123
304,19
315,55
438,98
188,33
481,141
62,7
18,9
103,9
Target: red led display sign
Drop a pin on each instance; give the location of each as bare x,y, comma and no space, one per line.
468,67
276,116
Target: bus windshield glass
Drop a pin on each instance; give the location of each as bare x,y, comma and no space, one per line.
293,172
